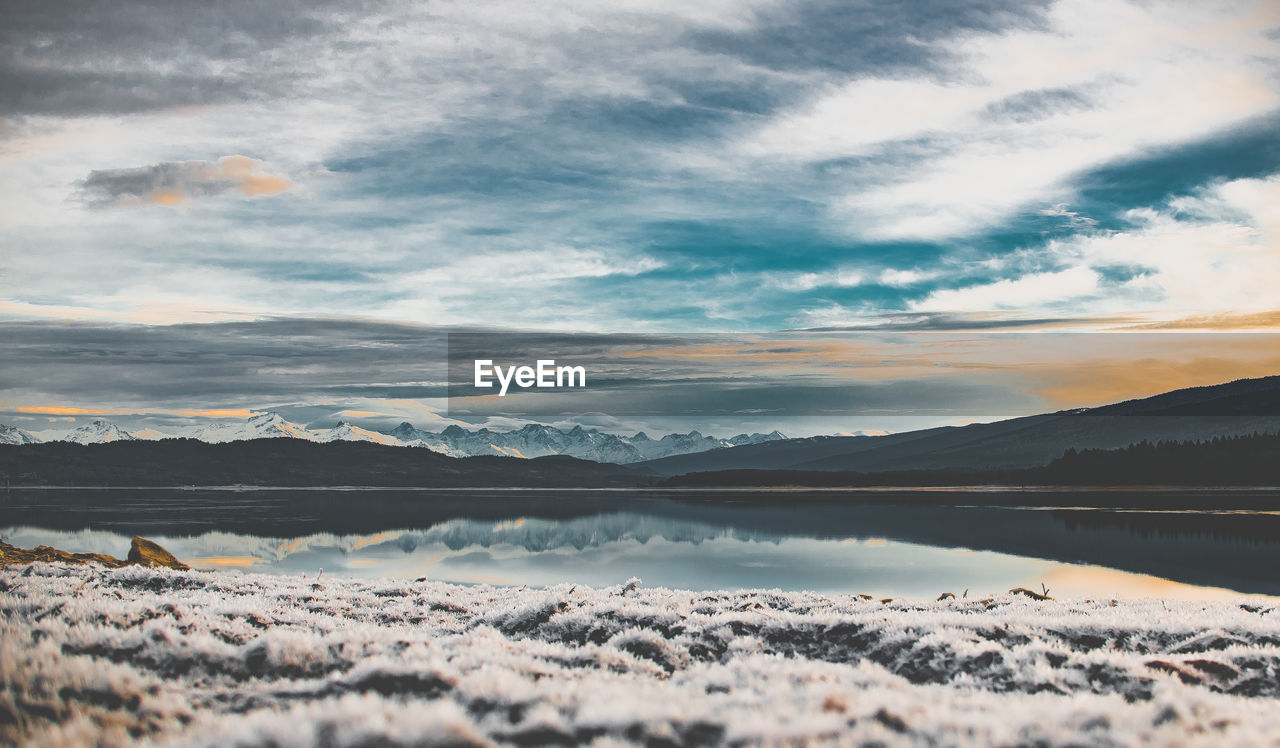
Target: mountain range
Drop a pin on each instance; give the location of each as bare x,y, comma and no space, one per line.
537,440
534,440
1236,408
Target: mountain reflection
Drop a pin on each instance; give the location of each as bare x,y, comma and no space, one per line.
604,537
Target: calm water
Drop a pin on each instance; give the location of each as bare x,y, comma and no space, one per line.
896,543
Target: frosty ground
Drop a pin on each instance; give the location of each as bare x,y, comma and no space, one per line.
93,655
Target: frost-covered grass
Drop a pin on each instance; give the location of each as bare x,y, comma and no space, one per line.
193,658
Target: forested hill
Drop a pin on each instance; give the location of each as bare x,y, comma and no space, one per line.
1252,460
1229,460
288,462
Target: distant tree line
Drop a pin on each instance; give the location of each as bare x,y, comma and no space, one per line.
287,462
1252,460
1225,461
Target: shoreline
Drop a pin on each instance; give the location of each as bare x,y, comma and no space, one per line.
1189,499
961,488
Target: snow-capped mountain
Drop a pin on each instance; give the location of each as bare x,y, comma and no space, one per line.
534,440
262,426
98,432
345,432
15,435
676,444
757,438
537,440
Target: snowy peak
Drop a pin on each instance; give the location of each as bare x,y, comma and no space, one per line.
742,439
270,418
531,440
539,440
405,432
347,433
98,432
15,435
268,425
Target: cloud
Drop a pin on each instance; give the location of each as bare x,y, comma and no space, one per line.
636,165
1213,252
67,410
1033,291
1258,321
910,277
83,58
1029,108
879,37
842,318
1207,259
837,278
1073,218
217,413
536,267
216,370
173,183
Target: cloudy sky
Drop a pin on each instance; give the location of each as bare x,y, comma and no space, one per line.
722,166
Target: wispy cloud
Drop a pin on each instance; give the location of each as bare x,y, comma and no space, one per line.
1034,291
1025,109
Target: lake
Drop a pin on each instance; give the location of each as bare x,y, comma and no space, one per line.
916,543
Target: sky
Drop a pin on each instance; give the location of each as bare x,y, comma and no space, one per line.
369,169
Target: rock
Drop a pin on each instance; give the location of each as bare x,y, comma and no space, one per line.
142,552
146,553
11,555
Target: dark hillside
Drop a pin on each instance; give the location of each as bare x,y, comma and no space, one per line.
287,462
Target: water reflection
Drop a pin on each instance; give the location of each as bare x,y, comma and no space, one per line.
603,538
596,551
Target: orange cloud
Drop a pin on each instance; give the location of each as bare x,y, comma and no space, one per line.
236,166
69,410
175,182
866,357
62,410
241,168
1225,321
263,184
168,198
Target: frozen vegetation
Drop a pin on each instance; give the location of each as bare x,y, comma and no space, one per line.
89,654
